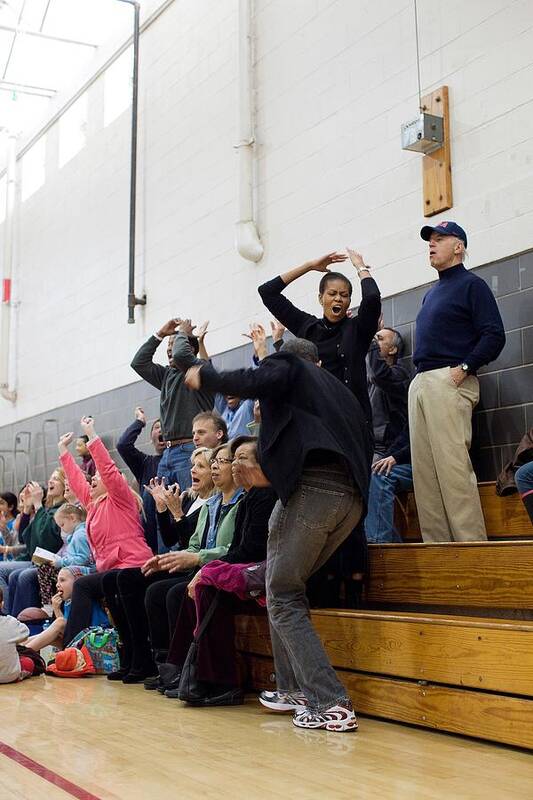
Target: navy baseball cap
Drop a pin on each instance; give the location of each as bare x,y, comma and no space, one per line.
446,229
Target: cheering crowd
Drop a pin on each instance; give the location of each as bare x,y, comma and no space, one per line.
263,489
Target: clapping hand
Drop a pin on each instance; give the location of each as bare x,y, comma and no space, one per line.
140,415
169,328
323,263
201,331
278,330
64,442
36,493
258,336
87,426
156,488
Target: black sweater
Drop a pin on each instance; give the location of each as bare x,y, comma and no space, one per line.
251,527
342,346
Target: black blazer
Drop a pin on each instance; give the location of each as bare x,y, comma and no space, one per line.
303,408
251,527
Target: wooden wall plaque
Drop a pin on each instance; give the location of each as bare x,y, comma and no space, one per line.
437,166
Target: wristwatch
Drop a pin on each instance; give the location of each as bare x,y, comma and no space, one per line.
465,368
362,269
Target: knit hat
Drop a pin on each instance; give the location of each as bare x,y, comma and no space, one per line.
72,663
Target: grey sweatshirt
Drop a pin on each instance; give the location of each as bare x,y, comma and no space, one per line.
178,404
11,633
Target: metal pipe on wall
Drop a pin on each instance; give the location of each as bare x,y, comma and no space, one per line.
7,387
247,240
133,300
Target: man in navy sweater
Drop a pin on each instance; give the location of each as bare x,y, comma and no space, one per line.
458,329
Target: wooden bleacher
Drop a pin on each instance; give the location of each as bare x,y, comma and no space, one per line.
445,639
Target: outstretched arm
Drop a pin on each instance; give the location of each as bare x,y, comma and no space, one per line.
270,379
76,478
271,292
114,482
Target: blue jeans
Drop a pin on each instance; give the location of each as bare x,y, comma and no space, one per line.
524,478
175,465
379,522
23,590
6,568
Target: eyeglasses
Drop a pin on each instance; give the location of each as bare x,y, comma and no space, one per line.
220,461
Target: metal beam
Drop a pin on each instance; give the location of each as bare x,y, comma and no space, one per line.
38,35
23,88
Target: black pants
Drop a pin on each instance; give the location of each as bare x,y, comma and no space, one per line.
142,620
85,591
217,662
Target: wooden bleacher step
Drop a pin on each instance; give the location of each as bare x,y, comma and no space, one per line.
484,575
465,675
505,517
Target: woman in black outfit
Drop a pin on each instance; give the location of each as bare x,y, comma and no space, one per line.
343,342
177,517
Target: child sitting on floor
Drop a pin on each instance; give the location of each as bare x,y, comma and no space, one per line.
12,632
53,635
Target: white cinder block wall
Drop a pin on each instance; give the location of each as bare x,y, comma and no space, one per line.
335,79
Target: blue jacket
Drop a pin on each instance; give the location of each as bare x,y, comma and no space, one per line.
78,553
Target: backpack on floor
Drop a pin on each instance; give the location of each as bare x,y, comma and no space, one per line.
39,667
102,644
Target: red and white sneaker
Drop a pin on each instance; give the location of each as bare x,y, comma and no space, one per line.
340,718
283,701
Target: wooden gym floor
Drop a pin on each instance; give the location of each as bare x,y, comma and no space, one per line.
88,738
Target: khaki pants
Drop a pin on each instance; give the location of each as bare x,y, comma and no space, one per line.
440,422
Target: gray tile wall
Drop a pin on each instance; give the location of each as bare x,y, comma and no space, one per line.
504,414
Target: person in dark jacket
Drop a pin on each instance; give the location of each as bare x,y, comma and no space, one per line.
178,406
315,448
217,666
342,340
144,468
458,329
388,385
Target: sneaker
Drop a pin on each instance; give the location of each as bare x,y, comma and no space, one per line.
340,718
283,701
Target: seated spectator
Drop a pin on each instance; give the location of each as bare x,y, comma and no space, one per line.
61,602
390,475
388,385
42,532
144,468
8,532
209,430
217,666
145,608
13,668
178,406
74,552
88,467
114,529
524,483
236,413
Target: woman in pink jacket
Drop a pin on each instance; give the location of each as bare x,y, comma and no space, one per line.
114,528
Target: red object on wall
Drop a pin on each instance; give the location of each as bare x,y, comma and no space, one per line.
6,290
